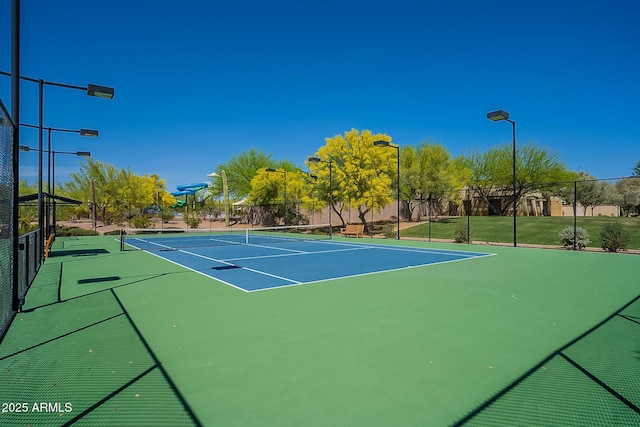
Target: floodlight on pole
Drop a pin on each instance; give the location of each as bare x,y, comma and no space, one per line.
53,176
91,90
382,143
100,91
89,132
83,132
319,160
497,116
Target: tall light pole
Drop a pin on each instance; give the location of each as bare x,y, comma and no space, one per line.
83,132
225,192
53,171
397,147
53,177
15,151
497,116
91,90
285,191
318,160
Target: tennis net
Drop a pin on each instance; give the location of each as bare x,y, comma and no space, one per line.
167,239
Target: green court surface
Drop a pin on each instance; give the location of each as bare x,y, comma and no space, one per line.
525,337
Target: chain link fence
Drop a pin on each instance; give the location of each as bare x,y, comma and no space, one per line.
600,213
6,220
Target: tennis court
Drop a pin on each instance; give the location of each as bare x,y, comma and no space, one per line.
376,332
267,261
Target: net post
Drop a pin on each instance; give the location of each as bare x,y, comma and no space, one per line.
122,233
246,236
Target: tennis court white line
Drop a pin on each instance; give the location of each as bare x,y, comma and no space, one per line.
279,249
195,271
298,254
244,268
220,261
153,243
368,273
407,249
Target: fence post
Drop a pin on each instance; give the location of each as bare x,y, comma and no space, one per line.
575,215
429,201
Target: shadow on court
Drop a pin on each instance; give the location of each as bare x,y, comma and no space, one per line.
84,362
592,380
88,347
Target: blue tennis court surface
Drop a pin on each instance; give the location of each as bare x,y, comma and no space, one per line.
257,267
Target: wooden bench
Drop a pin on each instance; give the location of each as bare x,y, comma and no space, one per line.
353,230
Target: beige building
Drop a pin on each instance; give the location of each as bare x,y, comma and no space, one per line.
603,210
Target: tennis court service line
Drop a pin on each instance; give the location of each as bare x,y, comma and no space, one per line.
196,271
153,243
253,270
368,273
273,247
297,254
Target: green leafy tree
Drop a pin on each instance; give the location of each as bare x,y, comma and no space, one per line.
240,171
27,212
591,193
362,173
628,195
491,173
636,170
427,173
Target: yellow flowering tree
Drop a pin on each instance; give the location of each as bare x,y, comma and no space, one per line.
361,173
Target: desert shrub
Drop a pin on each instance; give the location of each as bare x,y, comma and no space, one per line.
461,234
193,220
140,221
388,231
74,231
167,215
614,237
581,238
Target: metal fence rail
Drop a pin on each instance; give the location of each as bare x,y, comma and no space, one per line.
28,261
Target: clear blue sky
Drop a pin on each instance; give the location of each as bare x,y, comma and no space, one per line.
200,81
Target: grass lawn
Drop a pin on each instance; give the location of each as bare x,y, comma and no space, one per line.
534,230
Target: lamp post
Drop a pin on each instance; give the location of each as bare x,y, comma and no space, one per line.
91,90
285,191
76,153
319,160
497,116
53,176
225,192
397,147
83,132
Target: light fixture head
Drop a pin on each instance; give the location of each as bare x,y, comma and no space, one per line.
382,143
83,154
100,91
314,159
212,175
498,115
88,132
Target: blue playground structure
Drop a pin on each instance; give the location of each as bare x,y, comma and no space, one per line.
187,190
